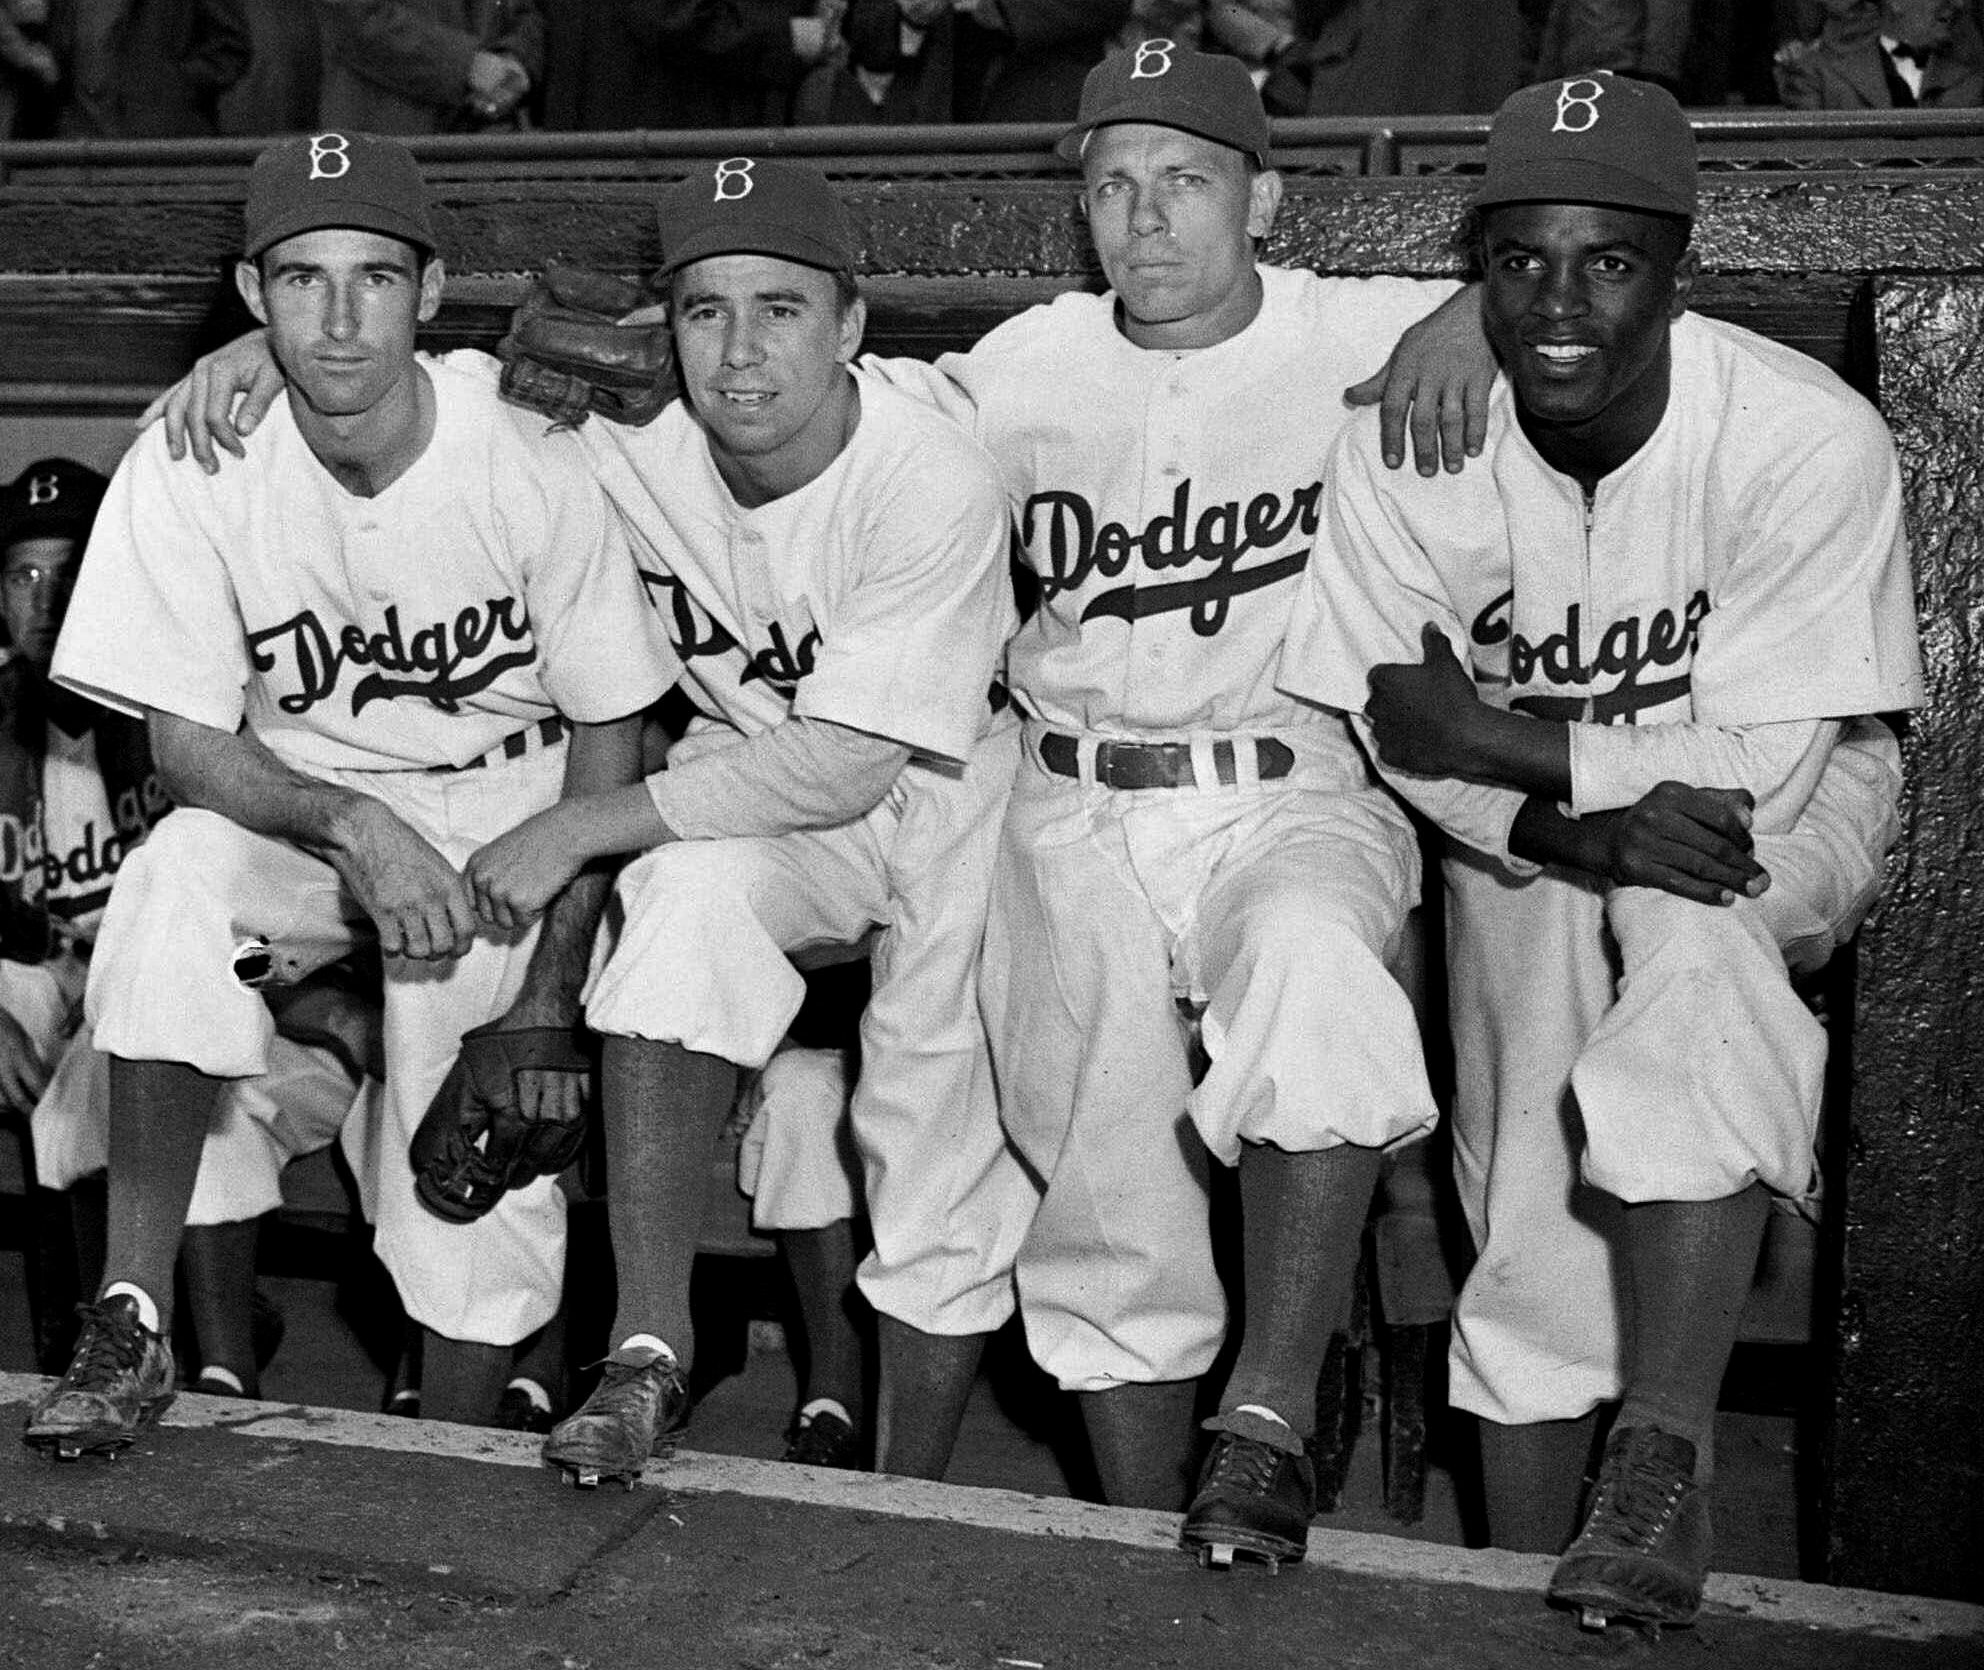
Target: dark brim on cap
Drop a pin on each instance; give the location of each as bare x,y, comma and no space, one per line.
1578,180
786,244
1187,118
386,219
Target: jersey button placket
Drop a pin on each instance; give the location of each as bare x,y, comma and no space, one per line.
367,576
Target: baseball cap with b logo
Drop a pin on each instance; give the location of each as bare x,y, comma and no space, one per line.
755,206
359,180
1598,138
1170,86
56,498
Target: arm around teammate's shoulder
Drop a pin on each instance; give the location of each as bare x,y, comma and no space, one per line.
219,402
1434,388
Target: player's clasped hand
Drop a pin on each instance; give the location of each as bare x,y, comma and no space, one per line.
515,877
419,903
1684,840
1419,711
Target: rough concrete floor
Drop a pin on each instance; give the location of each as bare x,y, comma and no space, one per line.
244,1536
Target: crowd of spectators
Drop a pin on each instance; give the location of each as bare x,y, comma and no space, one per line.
174,68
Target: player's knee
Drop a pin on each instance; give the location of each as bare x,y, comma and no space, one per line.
183,864
169,913
704,883
1306,942
1711,943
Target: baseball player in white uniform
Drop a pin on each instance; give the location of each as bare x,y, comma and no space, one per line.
831,557
359,660
1181,832
1659,617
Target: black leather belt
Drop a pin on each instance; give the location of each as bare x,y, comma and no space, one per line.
1163,765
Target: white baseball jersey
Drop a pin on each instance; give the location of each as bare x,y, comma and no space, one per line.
1168,501
272,594
1718,612
876,596
84,838
1747,566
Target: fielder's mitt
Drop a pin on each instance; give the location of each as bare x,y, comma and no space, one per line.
476,1142
567,356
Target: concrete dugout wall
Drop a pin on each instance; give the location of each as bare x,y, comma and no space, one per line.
113,278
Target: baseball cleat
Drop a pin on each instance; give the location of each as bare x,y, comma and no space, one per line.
822,1439
1253,1499
639,1409
1642,1556
119,1381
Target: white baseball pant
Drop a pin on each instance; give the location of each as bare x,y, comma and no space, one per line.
704,937
162,988
259,1125
1628,1045
1276,907
797,1160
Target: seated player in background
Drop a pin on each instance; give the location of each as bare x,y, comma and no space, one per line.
798,1163
81,794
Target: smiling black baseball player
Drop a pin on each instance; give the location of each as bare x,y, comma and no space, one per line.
1630,663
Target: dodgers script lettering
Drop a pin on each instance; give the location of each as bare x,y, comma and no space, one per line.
696,633
428,663
1069,547
1626,649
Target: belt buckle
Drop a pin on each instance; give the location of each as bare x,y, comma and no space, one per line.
1143,765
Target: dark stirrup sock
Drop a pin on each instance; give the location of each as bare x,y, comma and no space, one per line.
663,1108
159,1114
1689,1268
1302,1227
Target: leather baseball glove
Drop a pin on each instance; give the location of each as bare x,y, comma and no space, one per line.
475,1142
568,356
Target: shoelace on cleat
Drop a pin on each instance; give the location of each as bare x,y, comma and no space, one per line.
1246,1463
1634,1502
620,1383
111,1343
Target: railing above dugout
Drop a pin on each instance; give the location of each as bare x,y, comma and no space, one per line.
1344,147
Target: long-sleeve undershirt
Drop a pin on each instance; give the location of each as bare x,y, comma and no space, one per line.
799,774
1614,765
